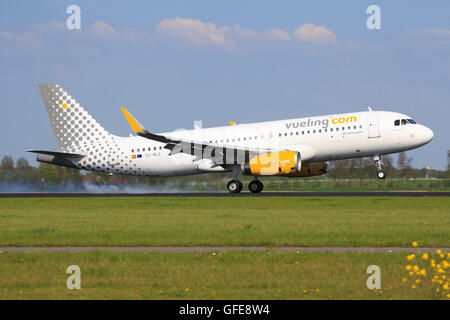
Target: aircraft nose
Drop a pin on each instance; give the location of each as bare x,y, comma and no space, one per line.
426,134
429,135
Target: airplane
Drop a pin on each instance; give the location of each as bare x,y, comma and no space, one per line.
300,147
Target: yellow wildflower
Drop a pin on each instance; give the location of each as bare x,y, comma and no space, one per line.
438,251
411,257
423,272
416,268
425,256
417,280
415,244
408,267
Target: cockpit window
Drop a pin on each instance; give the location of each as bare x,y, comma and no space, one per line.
404,122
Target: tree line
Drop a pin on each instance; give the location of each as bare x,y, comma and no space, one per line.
19,175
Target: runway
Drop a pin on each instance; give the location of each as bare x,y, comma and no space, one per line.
222,249
226,194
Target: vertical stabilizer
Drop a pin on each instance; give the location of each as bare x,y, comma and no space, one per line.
73,126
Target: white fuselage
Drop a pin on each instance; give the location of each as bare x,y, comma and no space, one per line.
324,138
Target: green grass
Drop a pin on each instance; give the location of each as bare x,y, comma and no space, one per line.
231,275
235,221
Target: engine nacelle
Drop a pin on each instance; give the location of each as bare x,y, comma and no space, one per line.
283,163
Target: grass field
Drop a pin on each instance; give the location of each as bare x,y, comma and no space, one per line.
268,221
232,275
210,221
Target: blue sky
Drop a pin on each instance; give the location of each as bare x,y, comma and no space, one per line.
173,62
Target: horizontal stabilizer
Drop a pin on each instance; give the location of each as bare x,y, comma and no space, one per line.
57,153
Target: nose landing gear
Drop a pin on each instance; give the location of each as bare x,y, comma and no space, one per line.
379,164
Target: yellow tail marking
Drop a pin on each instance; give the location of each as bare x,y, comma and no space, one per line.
232,123
135,125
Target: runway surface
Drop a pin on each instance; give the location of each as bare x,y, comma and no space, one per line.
221,249
226,194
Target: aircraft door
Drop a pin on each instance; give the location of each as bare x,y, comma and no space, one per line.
373,125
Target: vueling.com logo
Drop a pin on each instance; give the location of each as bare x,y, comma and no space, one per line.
324,123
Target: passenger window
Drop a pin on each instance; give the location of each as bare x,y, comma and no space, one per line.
396,122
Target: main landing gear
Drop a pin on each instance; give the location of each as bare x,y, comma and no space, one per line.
379,164
235,186
255,186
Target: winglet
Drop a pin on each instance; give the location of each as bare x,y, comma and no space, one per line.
135,125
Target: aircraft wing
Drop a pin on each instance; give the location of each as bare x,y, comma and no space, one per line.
220,154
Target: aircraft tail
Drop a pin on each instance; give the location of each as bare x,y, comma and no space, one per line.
74,128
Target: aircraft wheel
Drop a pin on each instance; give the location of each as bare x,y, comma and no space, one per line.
234,186
381,175
255,186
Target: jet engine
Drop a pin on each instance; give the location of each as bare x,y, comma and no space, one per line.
281,163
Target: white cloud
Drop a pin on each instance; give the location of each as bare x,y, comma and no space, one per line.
103,29
206,33
312,33
275,34
11,42
194,31
437,32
